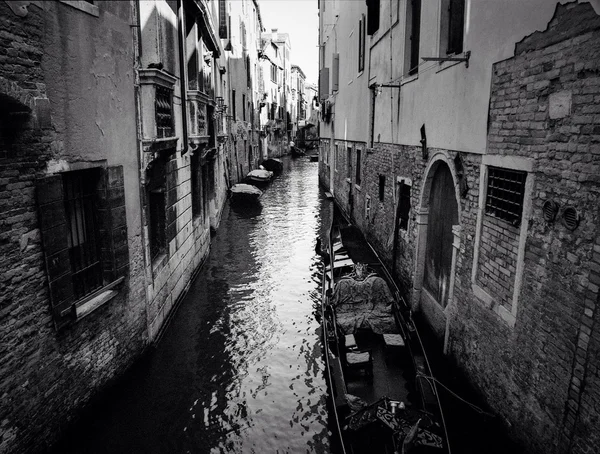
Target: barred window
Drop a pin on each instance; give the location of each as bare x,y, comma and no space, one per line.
164,112
505,191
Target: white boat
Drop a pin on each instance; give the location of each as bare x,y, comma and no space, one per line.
245,192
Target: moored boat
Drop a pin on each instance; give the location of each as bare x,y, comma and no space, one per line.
260,176
245,192
272,164
383,397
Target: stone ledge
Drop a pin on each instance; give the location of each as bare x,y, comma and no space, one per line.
89,304
83,6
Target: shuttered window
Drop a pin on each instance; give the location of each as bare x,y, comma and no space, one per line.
223,33
84,234
157,207
361,43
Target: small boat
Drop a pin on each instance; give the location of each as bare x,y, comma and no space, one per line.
273,164
297,152
383,397
259,176
245,192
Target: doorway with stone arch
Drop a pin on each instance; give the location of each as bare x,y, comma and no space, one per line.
438,232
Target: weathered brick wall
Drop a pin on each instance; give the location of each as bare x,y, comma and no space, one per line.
542,375
45,375
498,258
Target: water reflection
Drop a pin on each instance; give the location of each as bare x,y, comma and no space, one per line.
240,367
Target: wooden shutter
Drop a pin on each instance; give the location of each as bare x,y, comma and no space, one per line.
324,83
115,248
53,226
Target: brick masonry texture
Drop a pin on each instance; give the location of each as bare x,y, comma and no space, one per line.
45,375
542,375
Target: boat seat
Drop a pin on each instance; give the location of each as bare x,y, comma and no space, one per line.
362,361
350,342
392,342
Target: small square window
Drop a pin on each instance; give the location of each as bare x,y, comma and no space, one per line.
505,192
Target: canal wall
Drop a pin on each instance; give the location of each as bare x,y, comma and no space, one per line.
512,298
57,348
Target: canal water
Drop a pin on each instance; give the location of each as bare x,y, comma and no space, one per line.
239,368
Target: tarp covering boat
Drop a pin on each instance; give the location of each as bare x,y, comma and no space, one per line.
363,303
272,164
260,175
246,190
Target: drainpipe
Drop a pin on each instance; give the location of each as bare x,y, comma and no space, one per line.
182,80
137,54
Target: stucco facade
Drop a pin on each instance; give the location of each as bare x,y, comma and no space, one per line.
507,284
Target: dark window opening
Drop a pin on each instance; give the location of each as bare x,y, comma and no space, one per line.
413,33
156,191
456,22
404,205
248,72
349,162
205,189
381,187
361,43
358,156
164,112
244,107
196,185
223,31
505,193
233,112
82,226
372,16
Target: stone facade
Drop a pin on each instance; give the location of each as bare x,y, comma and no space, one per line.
521,317
53,361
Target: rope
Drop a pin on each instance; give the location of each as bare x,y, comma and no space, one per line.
473,406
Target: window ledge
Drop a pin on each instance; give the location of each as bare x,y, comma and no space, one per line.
360,73
348,180
97,299
357,187
409,79
83,6
489,303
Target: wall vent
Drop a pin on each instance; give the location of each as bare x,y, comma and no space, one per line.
550,209
571,218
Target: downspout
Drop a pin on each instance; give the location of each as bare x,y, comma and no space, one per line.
182,80
137,54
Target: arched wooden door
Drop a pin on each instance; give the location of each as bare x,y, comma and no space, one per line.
443,214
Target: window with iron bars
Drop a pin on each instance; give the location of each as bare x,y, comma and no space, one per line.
505,192
83,239
164,112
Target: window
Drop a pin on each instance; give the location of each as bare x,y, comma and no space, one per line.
349,162
372,16
452,26
336,157
83,243
191,43
505,192
403,204
244,107
248,72
157,207
361,43
358,165
223,31
381,187
164,112
413,32
196,185
84,232
273,73
367,207
233,112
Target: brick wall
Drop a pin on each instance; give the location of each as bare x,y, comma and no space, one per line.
46,375
542,375
498,258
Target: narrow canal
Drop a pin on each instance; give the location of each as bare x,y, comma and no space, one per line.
239,368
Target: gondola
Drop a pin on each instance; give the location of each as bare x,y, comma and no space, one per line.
383,398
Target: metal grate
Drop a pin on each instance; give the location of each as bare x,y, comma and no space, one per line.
164,112
505,192
84,247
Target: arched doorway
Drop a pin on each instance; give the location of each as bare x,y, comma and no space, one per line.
443,214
